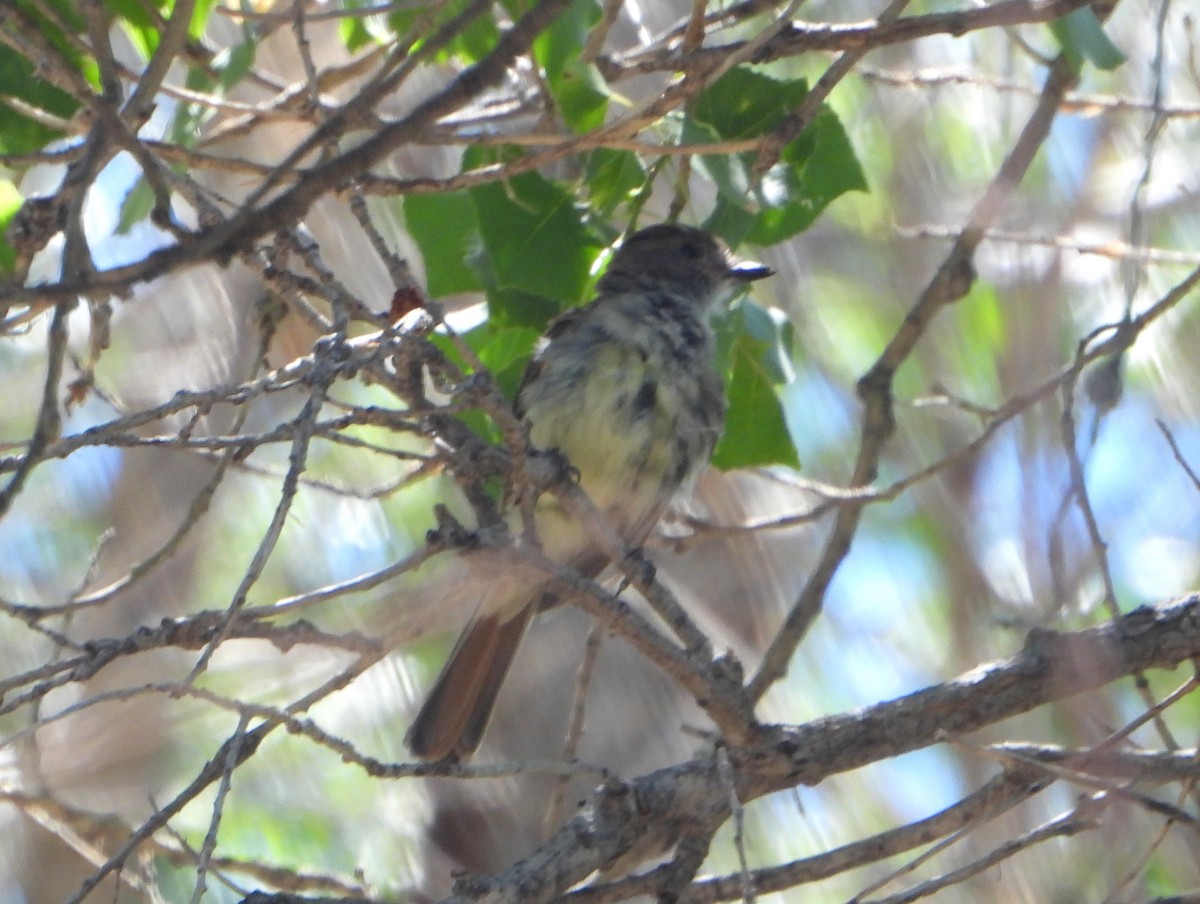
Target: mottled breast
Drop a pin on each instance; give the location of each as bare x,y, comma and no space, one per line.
626,388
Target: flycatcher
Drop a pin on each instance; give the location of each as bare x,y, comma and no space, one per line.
627,389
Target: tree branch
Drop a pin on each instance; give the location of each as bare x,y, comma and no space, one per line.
622,818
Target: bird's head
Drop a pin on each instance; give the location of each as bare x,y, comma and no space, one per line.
681,260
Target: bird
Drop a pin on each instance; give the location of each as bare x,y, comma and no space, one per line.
625,387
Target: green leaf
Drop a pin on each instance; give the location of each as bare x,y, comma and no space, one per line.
745,104
729,172
980,340
830,166
582,96
200,15
473,418
578,88
444,228
516,8
10,203
20,134
138,25
65,13
505,353
534,239
414,24
353,31
731,221
765,326
1082,37
475,41
813,170
143,29
189,118
357,31
752,350
472,42
514,308
756,433
562,42
136,206
233,64
612,177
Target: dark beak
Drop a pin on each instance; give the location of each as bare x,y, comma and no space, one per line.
748,271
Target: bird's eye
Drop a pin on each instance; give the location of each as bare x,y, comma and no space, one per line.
690,250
